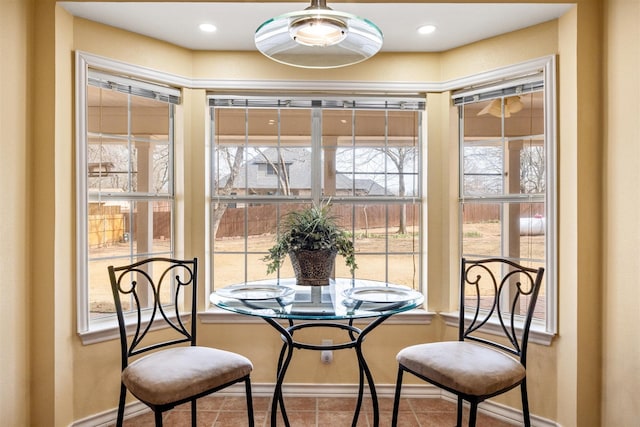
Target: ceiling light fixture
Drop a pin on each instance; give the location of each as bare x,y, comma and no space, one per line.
512,105
318,37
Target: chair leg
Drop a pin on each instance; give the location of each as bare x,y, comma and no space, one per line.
194,413
525,403
396,398
247,384
158,416
473,412
459,413
121,403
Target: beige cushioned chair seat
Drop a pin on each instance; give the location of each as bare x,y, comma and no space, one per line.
178,373
467,367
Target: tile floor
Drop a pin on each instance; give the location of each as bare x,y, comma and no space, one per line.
221,411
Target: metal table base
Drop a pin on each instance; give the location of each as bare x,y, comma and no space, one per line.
289,308
356,336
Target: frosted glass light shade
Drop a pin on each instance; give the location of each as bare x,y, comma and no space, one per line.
318,38
319,31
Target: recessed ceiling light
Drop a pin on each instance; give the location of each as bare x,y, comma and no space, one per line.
426,29
208,28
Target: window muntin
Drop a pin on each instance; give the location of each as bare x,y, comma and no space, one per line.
366,161
126,157
504,182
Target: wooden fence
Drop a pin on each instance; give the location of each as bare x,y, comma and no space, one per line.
491,212
263,219
108,225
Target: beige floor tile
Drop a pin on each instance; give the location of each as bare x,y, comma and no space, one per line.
144,420
300,403
217,411
183,418
432,405
327,404
297,419
405,419
235,404
210,403
237,419
335,419
437,419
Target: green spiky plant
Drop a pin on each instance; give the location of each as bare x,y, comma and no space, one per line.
314,228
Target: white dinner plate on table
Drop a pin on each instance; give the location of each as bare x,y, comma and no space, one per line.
255,292
381,294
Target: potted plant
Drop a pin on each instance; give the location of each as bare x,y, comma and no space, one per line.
312,239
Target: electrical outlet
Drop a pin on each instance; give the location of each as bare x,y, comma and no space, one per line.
326,356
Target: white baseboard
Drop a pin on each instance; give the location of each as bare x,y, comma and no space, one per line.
107,418
496,410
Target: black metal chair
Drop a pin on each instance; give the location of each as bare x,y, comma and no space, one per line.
475,368
168,374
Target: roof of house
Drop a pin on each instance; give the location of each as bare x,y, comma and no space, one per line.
298,162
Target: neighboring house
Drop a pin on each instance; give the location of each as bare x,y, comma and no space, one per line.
290,173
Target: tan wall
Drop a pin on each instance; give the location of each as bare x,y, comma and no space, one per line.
621,203
243,65
37,171
568,246
14,209
501,51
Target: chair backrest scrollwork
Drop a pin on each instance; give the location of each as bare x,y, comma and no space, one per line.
149,293
498,296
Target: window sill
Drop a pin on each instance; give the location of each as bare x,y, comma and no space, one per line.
417,316
537,333
104,330
107,328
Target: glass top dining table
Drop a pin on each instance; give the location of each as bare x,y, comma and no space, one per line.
288,308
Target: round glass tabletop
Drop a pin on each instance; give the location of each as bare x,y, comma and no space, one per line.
341,299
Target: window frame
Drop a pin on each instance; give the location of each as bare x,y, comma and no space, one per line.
312,102
97,330
508,77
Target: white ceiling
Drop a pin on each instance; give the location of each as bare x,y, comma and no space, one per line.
177,23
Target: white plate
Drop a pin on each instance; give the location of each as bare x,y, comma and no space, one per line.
255,292
381,294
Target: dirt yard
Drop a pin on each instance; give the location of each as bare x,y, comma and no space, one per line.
479,238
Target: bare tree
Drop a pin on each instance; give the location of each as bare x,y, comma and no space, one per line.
400,156
161,168
234,163
484,169
113,166
532,169
279,167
